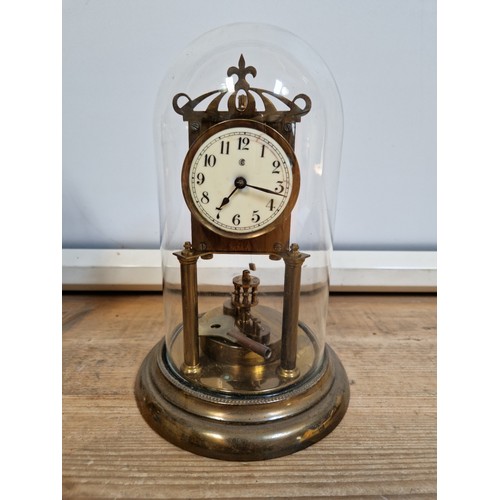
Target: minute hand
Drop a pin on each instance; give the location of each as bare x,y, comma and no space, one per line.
265,190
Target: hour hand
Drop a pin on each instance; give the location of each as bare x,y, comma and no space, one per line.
239,183
225,200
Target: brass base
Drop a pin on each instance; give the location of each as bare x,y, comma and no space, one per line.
241,427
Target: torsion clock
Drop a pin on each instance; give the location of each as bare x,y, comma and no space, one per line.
244,374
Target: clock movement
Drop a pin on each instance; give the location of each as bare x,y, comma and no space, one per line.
243,372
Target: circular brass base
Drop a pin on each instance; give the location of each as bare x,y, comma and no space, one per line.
239,427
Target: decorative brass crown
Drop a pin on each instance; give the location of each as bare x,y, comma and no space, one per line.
241,102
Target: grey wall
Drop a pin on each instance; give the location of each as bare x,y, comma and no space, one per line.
382,54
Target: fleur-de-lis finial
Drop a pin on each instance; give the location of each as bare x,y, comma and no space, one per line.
241,72
241,103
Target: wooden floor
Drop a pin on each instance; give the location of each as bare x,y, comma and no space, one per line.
384,448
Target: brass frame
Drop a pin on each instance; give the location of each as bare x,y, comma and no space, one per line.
280,114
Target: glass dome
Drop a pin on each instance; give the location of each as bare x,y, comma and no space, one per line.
270,76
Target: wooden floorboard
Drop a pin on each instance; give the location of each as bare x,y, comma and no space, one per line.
384,448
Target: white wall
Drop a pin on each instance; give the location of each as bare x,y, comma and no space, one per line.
382,54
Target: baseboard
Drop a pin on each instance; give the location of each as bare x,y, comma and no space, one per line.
352,271
375,271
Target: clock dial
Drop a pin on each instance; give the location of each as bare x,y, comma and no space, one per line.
241,180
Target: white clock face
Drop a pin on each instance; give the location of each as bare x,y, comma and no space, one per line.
240,181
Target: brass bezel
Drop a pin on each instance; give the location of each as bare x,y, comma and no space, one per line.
227,125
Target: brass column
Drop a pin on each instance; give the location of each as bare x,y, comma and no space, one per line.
293,267
189,285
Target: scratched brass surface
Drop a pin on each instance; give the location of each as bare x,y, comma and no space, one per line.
241,428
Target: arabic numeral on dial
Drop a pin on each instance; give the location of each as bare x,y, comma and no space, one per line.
200,178
255,216
210,161
243,143
279,188
204,197
270,204
224,147
276,166
263,150
236,220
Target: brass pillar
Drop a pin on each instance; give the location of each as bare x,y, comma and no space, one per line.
189,285
293,267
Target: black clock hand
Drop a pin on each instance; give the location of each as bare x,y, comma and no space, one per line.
225,200
239,183
266,190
